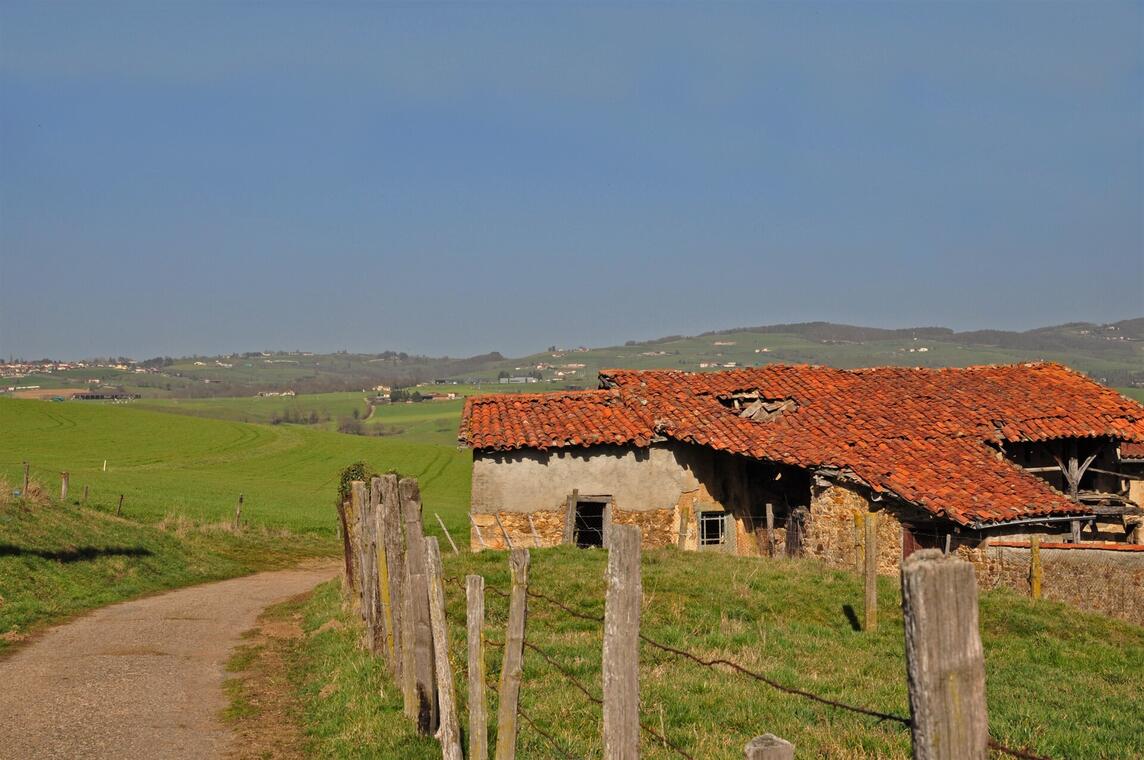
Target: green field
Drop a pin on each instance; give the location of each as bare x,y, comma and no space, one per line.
426,422
1060,682
173,464
329,407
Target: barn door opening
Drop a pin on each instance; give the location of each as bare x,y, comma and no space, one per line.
589,526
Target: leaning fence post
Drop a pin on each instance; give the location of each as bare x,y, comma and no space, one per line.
535,535
119,508
621,645
424,682
512,666
871,606
769,747
64,477
449,732
238,513
507,540
1036,572
478,708
945,663
445,530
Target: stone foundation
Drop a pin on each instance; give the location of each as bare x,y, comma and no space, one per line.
660,527
1106,581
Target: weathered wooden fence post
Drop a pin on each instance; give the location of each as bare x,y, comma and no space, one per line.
478,707
449,732
1036,572
27,479
769,747
445,530
424,681
85,495
347,549
64,477
871,606
394,539
371,591
512,666
119,508
353,509
360,501
945,663
383,634
238,513
622,645
770,529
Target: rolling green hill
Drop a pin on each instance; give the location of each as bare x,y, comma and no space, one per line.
1113,354
173,464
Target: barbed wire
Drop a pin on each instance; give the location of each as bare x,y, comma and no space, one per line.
1021,753
775,684
547,736
741,669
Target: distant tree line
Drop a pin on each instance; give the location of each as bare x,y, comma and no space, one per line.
298,417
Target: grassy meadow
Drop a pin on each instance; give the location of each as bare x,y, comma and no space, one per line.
59,560
327,406
169,464
1060,682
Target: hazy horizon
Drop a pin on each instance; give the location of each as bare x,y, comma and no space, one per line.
182,179
528,352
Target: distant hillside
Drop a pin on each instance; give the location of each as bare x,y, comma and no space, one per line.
1111,353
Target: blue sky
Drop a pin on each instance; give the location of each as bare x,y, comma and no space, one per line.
465,177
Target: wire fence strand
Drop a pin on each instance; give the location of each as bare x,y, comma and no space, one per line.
547,736
714,663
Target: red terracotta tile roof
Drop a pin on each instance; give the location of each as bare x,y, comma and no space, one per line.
552,420
920,434
1132,451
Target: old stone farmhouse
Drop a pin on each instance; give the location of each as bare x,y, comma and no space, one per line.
784,459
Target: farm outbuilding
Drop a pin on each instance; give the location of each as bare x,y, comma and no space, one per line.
784,459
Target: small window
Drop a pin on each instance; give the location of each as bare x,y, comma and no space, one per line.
712,528
589,528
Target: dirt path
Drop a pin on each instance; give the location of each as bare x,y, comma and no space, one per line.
140,679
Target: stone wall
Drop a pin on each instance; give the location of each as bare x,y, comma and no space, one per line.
660,528
836,535
1106,581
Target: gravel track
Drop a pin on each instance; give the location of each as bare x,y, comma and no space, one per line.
139,679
